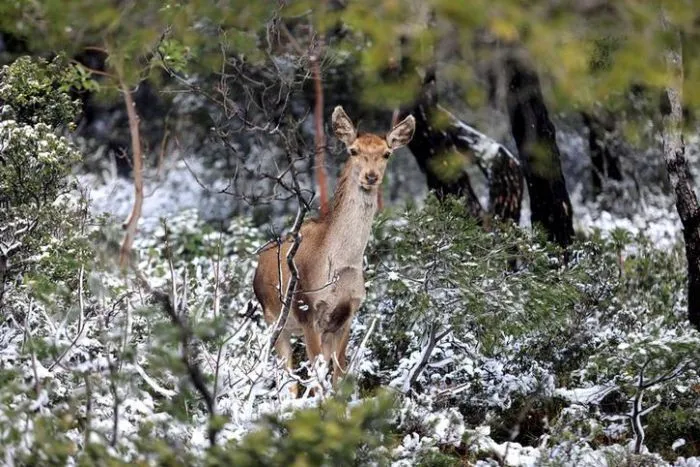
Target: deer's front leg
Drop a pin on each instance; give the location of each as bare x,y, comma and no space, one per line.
339,328
312,339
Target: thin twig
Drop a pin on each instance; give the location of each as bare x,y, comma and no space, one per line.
293,279
30,343
216,305
358,352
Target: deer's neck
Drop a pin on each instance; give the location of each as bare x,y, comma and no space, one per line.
350,221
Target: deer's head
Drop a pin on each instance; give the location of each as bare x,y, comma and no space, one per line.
370,153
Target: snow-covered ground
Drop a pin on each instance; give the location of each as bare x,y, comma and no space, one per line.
183,185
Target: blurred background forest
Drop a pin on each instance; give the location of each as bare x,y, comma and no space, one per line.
533,276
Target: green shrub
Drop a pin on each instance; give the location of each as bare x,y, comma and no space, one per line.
333,434
677,418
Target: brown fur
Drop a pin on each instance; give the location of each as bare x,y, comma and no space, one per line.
329,258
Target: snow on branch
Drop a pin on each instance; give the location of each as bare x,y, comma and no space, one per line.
465,136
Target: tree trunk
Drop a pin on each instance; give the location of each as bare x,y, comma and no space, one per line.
535,138
680,177
430,145
605,164
505,188
137,157
320,136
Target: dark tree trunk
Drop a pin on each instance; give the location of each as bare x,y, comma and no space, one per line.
605,164
430,144
432,141
682,180
535,138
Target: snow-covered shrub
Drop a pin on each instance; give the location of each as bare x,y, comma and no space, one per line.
444,285
35,215
33,91
521,347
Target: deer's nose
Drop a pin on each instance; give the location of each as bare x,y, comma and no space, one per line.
372,178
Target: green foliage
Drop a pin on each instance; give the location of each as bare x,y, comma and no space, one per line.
673,421
585,57
137,37
174,55
83,79
333,434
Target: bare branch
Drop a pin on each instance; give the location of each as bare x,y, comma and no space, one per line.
294,273
431,340
360,349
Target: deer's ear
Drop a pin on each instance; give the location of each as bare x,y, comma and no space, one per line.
402,133
342,126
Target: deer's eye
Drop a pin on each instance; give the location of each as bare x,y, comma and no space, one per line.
353,151
387,154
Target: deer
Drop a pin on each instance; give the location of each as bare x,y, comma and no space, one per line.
329,259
